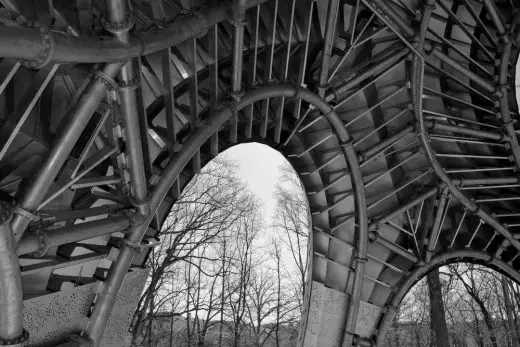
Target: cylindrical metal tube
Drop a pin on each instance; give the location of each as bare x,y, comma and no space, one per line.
134,149
63,144
24,43
328,42
396,249
487,85
31,242
11,294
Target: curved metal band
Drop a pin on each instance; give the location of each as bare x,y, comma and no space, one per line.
436,262
107,298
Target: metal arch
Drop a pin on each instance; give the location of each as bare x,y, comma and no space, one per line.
107,298
436,262
417,87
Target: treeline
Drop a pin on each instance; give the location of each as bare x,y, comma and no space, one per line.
222,276
481,308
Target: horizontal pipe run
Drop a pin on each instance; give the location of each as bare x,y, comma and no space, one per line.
27,43
32,242
434,125
485,169
473,156
485,181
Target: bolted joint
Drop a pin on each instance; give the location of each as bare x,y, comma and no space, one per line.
133,84
15,341
118,28
45,56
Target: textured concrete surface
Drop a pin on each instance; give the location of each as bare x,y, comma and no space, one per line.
53,317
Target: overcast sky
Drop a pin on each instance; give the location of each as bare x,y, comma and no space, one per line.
258,167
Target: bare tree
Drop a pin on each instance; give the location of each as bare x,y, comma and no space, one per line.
212,202
292,220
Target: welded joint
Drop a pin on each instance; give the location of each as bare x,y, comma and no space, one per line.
142,210
44,57
26,214
109,82
133,84
119,27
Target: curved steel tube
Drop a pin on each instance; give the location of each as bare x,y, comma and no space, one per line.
107,298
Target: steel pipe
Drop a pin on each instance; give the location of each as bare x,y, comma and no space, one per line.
328,42
118,15
11,293
400,210
432,125
388,11
27,43
440,214
43,239
67,136
179,160
436,52
375,237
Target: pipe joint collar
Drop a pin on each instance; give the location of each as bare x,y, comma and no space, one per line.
15,341
45,56
129,85
121,27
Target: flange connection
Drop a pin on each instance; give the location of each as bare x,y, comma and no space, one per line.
44,57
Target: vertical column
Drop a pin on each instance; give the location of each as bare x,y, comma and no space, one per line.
11,294
119,21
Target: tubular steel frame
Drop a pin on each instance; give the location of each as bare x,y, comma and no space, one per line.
120,58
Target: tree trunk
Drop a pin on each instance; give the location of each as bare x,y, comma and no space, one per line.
509,311
438,316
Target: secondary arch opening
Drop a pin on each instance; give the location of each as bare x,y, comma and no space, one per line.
462,303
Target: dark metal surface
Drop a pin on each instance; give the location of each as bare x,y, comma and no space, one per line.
400,117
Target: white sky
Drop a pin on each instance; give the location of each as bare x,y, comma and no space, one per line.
258,167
